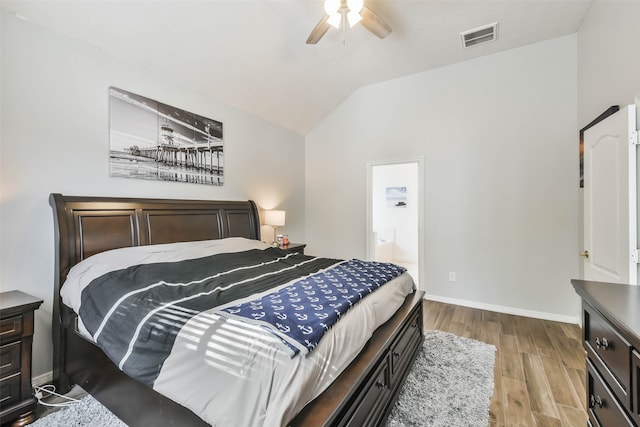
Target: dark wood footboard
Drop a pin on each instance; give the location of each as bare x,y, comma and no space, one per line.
365,392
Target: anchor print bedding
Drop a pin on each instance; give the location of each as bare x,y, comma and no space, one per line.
301,313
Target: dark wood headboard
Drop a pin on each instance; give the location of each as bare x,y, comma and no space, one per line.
85,226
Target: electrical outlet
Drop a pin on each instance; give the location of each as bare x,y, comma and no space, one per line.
452,276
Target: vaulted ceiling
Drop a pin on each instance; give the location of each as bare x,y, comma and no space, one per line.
252,54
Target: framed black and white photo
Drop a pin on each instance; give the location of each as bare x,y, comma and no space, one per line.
155,141
396,197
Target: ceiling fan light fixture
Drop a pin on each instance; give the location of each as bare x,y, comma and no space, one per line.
353,17
355,5
335,20
340,12
332,7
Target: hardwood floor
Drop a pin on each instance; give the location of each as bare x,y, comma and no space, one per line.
539,376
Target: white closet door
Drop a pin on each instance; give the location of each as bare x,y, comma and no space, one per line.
610,199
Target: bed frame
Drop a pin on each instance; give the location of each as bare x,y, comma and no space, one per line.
362,395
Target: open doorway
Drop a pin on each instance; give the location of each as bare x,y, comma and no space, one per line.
394,214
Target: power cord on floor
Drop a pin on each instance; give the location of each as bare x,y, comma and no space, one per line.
50,389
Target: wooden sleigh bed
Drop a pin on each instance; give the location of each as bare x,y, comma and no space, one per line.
362,395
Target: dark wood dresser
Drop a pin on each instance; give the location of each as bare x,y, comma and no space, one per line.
16,336
611,332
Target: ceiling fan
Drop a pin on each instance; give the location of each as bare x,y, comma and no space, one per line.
339,13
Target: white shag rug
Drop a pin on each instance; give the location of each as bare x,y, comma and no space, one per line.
449,385
88,412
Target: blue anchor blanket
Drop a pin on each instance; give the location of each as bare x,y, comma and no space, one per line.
302,312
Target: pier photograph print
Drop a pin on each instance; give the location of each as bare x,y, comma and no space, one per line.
152,140
396,197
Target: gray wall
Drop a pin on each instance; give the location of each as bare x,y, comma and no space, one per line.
498,135
608,66
55,139
608,57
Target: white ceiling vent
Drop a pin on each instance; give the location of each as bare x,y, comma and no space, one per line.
484,34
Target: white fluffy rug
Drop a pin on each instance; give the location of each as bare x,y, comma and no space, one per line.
450,384
87,412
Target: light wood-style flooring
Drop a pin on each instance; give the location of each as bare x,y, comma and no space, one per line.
539,376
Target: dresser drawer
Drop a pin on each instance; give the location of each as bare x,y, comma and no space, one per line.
10,328
604,409
635,387
610,350
9,389
404,347
10,358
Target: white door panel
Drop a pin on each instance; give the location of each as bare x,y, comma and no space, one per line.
610,199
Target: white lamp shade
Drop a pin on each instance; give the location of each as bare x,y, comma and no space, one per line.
274,218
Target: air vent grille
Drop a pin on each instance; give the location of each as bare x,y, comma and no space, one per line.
484,34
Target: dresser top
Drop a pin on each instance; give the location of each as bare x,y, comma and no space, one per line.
619,303
17,301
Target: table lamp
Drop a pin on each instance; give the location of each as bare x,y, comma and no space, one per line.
275,219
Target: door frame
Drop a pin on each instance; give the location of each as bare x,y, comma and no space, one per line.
370,249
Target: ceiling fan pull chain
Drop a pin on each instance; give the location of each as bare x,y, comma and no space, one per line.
343,25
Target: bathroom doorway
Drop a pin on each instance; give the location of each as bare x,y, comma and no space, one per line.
395,214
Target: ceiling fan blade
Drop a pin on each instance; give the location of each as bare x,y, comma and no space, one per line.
319,30
374,23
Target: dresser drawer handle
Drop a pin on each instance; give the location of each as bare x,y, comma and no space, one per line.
396,354
595,400
603,344
380,384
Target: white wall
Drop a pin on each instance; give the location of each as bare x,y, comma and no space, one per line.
608,67
55,139
608,57
498,135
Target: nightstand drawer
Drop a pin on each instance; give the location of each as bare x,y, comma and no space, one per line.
17,403
10,358
10,327
10,389
610,349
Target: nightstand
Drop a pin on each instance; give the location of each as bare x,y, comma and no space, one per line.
17,402
294,247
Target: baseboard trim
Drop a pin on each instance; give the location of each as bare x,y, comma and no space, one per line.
40,380
507,310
